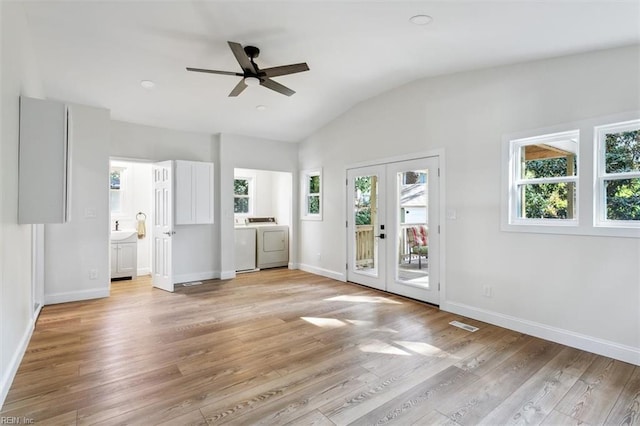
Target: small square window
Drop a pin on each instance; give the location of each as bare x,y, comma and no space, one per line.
544,179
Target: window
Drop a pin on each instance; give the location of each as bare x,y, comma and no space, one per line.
544,179
617,201
242,196
312,187
116,186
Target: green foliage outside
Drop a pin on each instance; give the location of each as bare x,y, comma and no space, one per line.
623,195
314,204
314,184
362,203
241,204
547,200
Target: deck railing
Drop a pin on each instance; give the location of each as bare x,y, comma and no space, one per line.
364,245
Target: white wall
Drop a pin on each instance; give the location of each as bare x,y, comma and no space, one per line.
250,153
76,248
196,249
272,193
581,290
18,76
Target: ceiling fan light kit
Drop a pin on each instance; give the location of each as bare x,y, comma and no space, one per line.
252,75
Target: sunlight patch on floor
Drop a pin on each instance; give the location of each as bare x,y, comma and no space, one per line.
380,347
421,348
363,299
324,322
361,323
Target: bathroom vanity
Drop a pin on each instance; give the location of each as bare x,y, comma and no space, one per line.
124,254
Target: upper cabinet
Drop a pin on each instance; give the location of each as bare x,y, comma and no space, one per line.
43,178
193,192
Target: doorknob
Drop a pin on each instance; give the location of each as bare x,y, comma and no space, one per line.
381,236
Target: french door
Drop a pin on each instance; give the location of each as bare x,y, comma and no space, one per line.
393,228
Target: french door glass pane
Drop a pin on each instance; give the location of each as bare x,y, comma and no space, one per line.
365,210
412,210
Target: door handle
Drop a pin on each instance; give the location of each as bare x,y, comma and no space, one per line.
381,236
170,233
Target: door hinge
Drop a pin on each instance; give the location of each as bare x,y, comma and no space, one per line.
438,171
438,286
346,181
346,266
438,229
346,224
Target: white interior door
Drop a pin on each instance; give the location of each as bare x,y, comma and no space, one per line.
162,274
389,206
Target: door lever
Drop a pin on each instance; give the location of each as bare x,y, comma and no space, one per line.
381,236
170,233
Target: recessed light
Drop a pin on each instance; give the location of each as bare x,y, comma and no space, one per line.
261,107
421,19
147,84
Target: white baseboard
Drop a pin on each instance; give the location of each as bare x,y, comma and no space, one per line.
143,271
321,271
74,296
7,377
227,275
198,276
576,340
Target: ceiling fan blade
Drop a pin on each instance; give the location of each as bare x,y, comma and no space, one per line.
270,84
241,57
238,89
214,71
285,69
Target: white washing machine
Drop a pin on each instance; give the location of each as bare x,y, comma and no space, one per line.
272,246
245,249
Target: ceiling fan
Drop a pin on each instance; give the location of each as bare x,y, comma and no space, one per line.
254,76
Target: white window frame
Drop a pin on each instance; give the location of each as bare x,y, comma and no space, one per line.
515,179
124,192
251,195
306,175
600,202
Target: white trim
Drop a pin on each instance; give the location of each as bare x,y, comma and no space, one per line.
143,271
7,377
75,296
569,338
587,170
397,159
338,276
304,186
600,175
197,276
227,275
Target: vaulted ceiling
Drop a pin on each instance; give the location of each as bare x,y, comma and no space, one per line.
98,52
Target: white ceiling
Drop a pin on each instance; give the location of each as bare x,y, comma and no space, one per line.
96,53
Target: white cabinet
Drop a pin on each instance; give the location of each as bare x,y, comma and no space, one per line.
44,162
124,258
193,192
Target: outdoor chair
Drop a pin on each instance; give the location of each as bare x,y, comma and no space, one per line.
417,239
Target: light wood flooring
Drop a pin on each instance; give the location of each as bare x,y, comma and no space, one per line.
287,347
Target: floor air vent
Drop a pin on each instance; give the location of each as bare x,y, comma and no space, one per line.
464,326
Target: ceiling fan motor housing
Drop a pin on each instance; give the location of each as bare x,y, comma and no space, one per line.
252,52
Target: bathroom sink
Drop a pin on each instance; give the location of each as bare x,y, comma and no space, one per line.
122,234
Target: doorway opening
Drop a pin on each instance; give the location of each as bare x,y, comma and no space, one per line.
130,209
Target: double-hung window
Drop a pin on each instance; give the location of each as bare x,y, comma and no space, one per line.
543,183
242,195
312,194
617,200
